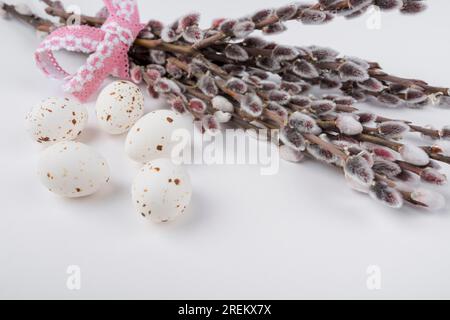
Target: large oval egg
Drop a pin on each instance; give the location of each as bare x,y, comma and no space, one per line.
56,119
72,169
152,136
119,106
161,190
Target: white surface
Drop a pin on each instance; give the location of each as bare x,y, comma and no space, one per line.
299,234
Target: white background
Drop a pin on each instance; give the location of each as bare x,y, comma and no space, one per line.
299,234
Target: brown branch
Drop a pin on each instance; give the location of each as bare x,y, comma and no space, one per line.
33,20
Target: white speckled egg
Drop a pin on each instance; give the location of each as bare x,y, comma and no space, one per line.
119,106
151,137
56,119
161,190
72,169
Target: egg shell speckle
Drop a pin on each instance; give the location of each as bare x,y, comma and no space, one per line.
161,190
72,169
55,120
119,106
151,137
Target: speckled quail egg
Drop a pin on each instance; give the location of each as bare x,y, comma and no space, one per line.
56,119
161,190
152,136
72,169
119,106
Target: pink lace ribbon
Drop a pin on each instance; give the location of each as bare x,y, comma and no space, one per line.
107,48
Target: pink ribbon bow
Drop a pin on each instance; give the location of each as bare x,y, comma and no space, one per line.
107,48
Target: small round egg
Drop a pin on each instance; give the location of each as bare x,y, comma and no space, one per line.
72,169
56,119
161,190
152,136
119,106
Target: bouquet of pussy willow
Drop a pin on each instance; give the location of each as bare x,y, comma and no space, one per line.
227,77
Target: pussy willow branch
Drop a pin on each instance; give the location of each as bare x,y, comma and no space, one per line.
328,144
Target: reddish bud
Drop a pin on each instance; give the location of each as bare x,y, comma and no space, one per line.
366,117
177,104
372,85
444,133
168,34
222,117
291,155
255,42
303,123
321,107
429,199
237,85
164,85
174,71
193,34
305,69
300,101
311,16
279,96
252,105
291,87
389,100
413,7
152,93
357,168
267,85
344,100
217,22
414,155
189,20
386,168
227,26
292,138
197,105
323,53
388,4
136,74
262,15
350,71
276,112
284,53
211,125
155,26
158,57
321,154
222,104
287,12
268,63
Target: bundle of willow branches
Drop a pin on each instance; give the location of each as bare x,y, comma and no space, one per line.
224,76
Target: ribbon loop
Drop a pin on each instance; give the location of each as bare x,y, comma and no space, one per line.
107,48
